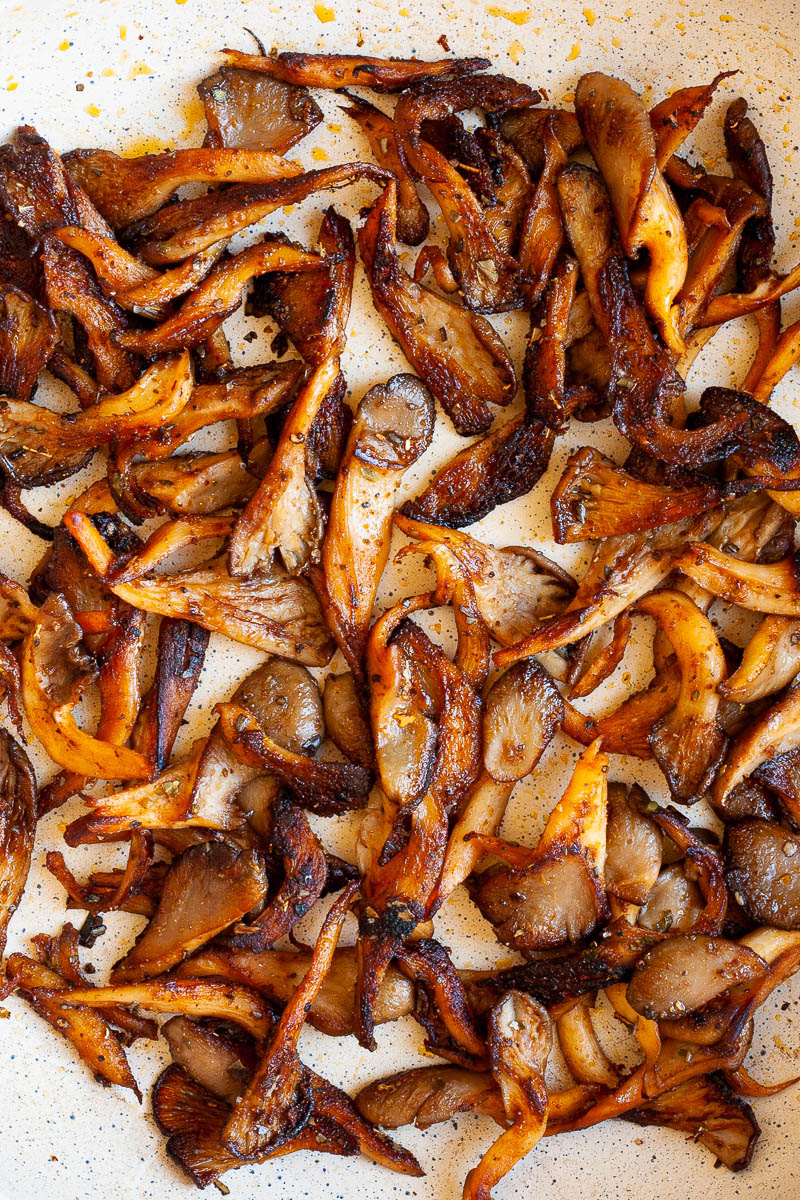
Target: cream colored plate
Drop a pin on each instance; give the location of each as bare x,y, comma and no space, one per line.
122,76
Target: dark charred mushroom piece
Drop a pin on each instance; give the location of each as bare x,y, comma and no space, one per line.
17,826
413,221
247,108
633,848
28,335
179,661
457,354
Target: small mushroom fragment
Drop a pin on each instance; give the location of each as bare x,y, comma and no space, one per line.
413,221
346,720
689,742
55,671
214,1058
351,70
674,903
556,894
248,109
582,1052
633,848
457,354
594,498
771,659
617,128
206,889
425,1096
270,610
393,427
762,872
185,228
17,826
520,1038
684,973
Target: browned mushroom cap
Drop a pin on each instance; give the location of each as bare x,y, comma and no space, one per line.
276,973
762,872
520,716
426,1096
247,108
594,498
674,903
557,895
189,226
270,610
206,889
457,354
346,720
28,334
617,128
708,1110
199,482
217,1060
55,670
633,848
17,826
520,1038
487,274
128,189
392,428
350,70
413,221
683,973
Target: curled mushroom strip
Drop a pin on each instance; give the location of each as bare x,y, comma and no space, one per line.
762,587
520,1038
771,659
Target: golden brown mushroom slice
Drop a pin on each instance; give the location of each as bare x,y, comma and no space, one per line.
393,427
770,588
673,904
284,515
617,128
17,826
352,70
675,117
217,1059
594,498
633,848
487,274
520,1038
762,871
270,610
125,190
457,354
683,973
346,719
216,297
206,889
179,230
689,742
56,668
413,221
249,109
556,894
196,483
180,655
425,1096
771,659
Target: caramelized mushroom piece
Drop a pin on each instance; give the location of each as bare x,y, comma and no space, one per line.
247,108
674,903
762,872
28,335
520,1038
458,354
617,128
17,826
206,889
683,973
350,70
393,427
774,732
413,221
771,659
556,894
346,720
426,1096
765,588
212,1057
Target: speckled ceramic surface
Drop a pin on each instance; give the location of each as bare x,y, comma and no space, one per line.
122,76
